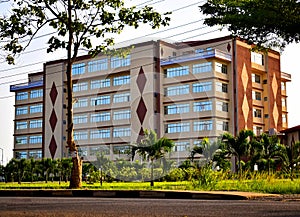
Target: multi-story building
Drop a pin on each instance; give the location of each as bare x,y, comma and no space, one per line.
184,91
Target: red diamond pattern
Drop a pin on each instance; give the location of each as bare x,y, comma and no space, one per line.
228,47
53,120
141,80
141,135
53,93
141,110
52,147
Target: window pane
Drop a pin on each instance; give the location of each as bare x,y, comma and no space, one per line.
98,65
178,71
202,67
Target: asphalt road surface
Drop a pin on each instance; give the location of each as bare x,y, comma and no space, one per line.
67,207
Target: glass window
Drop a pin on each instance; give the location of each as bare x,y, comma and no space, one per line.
282,85
284,118
178,71
96,84
256,78
202,106
36,154
257,58
121,115
82,151
124,149
121,132
202,87
21,154
21,110
177,90
100,134
82,86
99,117
221,87
181,146
98,65
36,93
121,80
178,127
80,119
81,103
177,109
117,62
21,140
257,113
222,125
283,102
22,96
80,135
21,125
256,95
257,130
222,106
35,123
99,149
36,108
222,68
202,67
122,97
35,139
78,69
203,125
100,100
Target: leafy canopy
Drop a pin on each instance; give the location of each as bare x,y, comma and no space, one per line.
271,23
91,19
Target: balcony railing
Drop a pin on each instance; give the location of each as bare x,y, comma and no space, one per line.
286,76
190,57
26,85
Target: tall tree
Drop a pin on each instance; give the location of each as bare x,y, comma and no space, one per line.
237,146
293,158
152,148
76,23
263,22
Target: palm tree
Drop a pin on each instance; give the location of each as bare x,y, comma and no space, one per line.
152,149
206,149
237,146
293,157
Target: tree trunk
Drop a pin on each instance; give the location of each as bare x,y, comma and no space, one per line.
76,176
152,178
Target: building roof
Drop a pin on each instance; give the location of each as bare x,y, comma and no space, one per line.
292,129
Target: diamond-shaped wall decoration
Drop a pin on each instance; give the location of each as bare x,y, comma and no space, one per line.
141,80
141,110
246,110
53,120
52,147
274,86
228,47
53,93
245,77
275,114
141,135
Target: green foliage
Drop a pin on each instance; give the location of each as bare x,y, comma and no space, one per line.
263,22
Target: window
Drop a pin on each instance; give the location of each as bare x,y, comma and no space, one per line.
283,102
121,80
121,115
80,87
100,83
82,151
80,135
78,69
178,127
199,51
202,87
35,123
222,125
122,97
81,103
202,67
121,132
222,106
181,146
21,154
221,87
257,58
36,154
283,86
80,119
222,68
177,90
256,78
257,130
100,100
257,113
99,117
203,125
202,106
21,110
100,134
256,95
98,65
284,118
22,96
177,109
124,149
178,71
36,93
116,62
99,149
36,108
21,140
35,139
21,125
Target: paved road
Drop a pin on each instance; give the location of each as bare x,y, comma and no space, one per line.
83,207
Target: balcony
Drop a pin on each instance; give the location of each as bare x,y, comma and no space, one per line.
191,57
26,85
285,76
